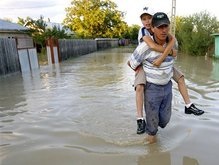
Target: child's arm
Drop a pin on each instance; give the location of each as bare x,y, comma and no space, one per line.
159,48
152,44
168,50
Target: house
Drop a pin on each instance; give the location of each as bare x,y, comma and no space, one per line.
17,51
16,31
50,25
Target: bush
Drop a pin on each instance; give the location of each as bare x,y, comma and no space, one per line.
194,33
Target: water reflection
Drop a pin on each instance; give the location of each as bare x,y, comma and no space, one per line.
199,69
12,97
189,161
215,70
155,159
102,70
154,156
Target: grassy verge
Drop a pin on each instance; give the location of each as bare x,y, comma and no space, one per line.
42,57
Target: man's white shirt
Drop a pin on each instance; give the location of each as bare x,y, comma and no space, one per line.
144,55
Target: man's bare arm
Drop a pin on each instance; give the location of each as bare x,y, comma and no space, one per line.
136,69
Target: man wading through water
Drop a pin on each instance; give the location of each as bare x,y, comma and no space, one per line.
145,36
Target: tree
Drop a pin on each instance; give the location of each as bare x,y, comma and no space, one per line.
133,31
39,31
36,28
194,33
55,32
95,18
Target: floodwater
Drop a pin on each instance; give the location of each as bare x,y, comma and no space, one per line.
82,112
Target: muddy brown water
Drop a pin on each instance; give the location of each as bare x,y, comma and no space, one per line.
82,111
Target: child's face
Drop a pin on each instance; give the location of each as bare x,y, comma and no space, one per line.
146,21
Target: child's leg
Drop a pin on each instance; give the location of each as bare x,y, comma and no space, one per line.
179,79
190,108
140,81
139,100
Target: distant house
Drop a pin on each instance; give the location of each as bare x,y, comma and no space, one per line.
17,32
50,25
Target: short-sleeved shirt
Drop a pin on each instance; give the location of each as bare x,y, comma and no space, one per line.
157,75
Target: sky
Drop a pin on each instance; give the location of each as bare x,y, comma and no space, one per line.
55,9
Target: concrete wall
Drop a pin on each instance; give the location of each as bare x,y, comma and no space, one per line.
28,59
23,40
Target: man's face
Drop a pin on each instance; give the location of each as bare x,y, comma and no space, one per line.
161,32
146,21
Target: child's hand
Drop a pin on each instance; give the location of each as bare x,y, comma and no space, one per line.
158,61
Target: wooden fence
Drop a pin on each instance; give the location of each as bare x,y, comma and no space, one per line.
13,59
9,61
104,43
76,47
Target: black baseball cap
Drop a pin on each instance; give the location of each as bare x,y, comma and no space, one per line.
159,19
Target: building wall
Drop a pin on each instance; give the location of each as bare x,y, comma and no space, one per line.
23,40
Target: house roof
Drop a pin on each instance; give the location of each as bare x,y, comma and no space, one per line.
8,26
59,26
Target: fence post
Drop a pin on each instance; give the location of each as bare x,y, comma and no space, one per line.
52,51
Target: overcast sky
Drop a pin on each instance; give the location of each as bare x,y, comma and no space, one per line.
55,9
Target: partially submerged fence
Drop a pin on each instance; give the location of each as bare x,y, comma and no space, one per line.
62,49
24,58
104,43
76,47
9,61
16,57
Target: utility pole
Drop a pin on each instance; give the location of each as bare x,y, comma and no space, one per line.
173,17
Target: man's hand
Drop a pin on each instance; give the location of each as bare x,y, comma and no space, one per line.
174,54
137,69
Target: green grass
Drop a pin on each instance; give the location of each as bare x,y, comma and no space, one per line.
42,57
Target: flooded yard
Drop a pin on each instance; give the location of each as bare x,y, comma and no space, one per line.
82,111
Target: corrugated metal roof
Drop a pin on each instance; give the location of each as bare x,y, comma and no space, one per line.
8,26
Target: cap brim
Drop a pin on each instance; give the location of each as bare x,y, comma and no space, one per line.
163,22
146,14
